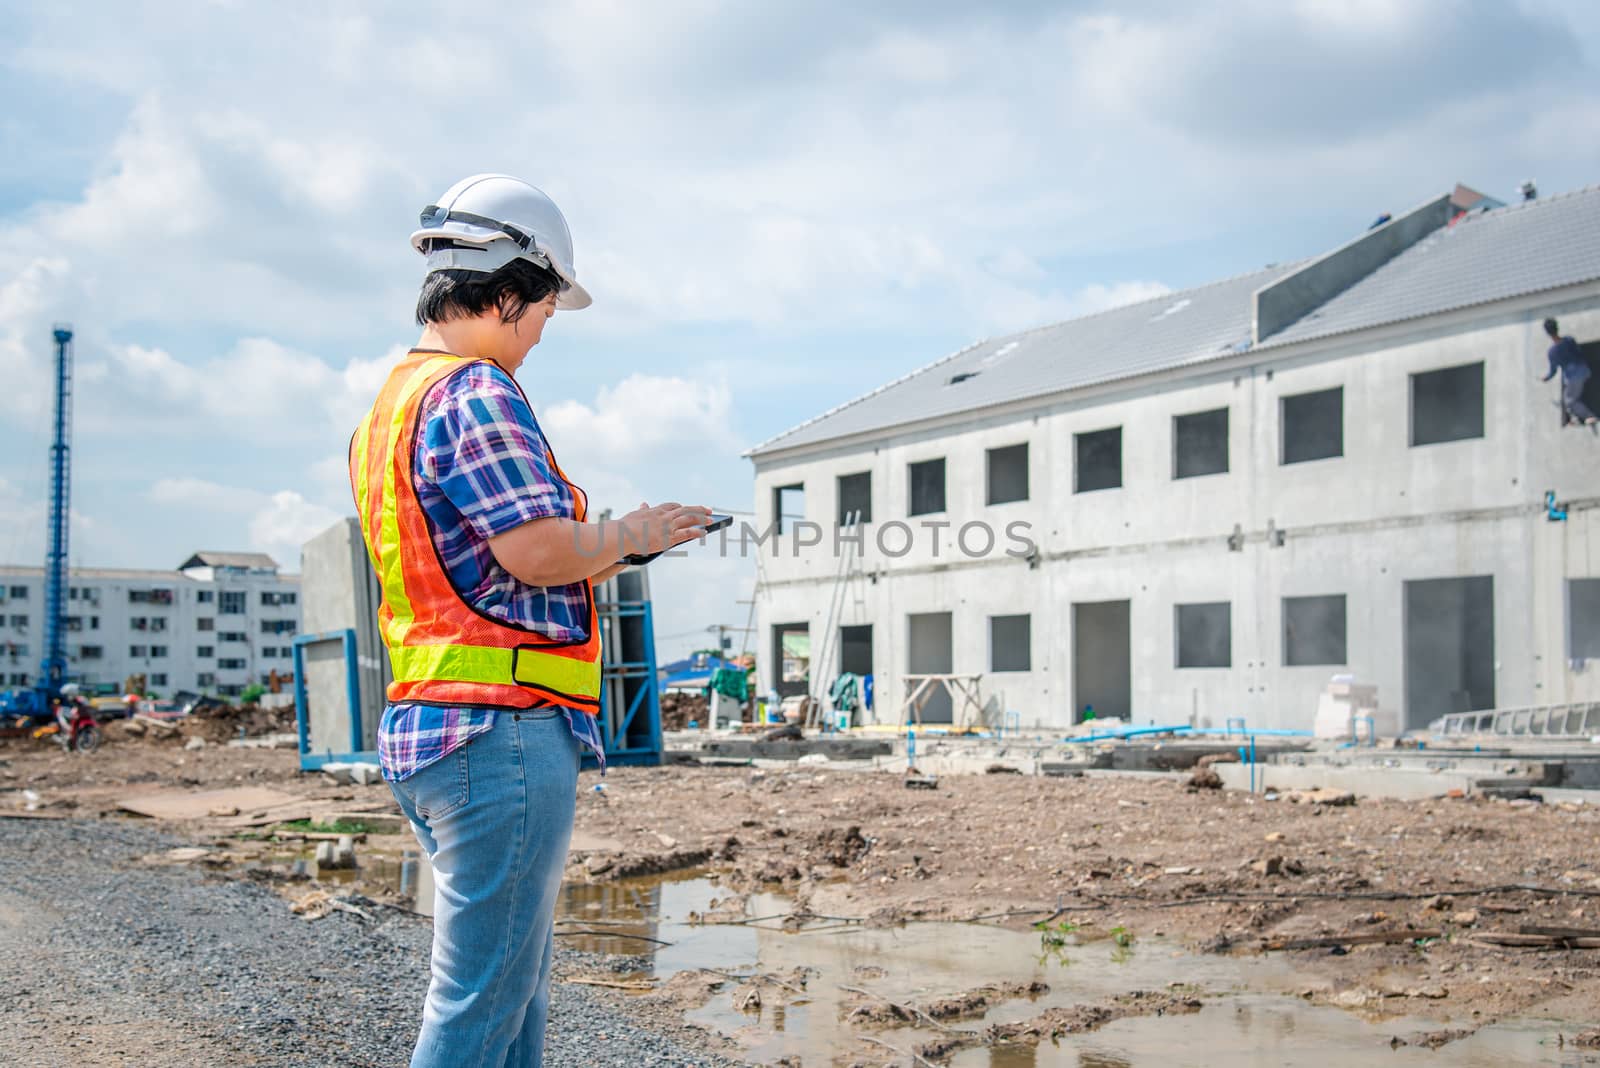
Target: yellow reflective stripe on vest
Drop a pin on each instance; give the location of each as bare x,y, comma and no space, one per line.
359,463
497,667
391,574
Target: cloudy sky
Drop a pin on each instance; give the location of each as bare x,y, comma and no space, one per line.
776,206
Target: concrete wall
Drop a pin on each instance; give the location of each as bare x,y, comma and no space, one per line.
1359,525
1292,296
341,593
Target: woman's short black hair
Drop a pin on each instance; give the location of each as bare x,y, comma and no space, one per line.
448,295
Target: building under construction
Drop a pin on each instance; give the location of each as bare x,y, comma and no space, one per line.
1203,506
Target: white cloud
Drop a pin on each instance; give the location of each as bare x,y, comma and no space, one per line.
259,390
26,351
638,434
276,523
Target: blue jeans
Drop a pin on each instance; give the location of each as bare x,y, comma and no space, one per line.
495,818
1572,397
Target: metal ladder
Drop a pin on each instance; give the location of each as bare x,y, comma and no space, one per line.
848,569
1574,721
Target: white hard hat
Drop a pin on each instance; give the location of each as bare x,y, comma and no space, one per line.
488,220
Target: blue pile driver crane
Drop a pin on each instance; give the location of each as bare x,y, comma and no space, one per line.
36,703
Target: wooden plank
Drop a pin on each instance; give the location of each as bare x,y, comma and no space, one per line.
284,813
183,805
1560,932
24,814
1354,939
1506,938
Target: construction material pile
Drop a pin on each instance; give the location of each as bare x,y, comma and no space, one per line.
215,723
679,709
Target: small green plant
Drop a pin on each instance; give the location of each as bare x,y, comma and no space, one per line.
1053,936
1122,936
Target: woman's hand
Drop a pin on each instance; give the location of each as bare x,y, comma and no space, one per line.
557,552
655,529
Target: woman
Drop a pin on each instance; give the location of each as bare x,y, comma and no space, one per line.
488,565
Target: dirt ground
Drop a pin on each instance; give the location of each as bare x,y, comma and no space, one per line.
1397,906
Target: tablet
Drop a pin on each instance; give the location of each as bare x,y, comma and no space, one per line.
717,522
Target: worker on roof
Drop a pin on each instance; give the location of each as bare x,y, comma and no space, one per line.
1567,358
488,564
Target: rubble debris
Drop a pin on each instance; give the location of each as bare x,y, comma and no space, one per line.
352,774
337,854
319,903
679,709
154,728
1277,865
875,1009
1321,796
1054,1023
214,724
1430,1039
839,846
607,867
1204,778
179,855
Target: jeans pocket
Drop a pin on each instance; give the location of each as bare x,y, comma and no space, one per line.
442,787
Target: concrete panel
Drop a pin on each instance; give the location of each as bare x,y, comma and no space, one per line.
1292,296
1363,782
340,592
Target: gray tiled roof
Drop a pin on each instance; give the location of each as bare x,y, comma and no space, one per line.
1508,252
1168,331
205,558
1487,256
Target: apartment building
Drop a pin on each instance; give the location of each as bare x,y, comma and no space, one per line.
216,624
1205,505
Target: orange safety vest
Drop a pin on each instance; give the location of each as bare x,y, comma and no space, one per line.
443,650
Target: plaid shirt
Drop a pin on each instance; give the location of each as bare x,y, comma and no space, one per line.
482,468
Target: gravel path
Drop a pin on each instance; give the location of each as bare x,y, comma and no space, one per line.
108,961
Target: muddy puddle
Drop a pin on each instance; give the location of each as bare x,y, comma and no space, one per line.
1250,1014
